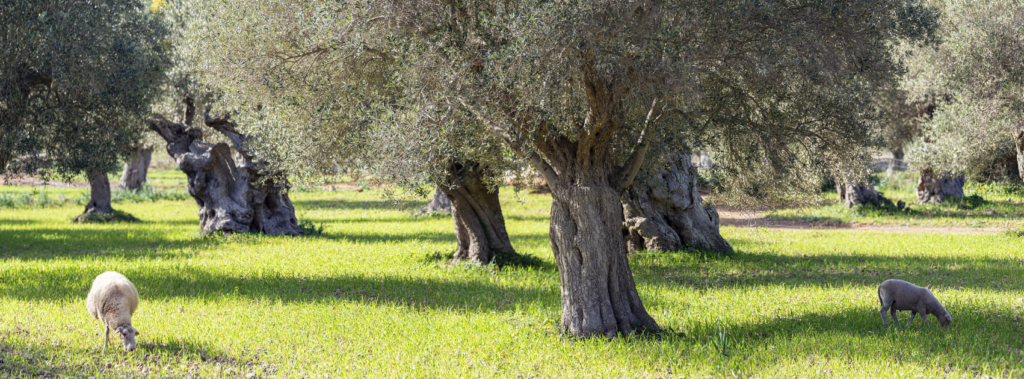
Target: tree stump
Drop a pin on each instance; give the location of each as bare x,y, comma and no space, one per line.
234,195
669,215
936,189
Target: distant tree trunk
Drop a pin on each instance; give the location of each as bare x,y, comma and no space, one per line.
863,194
897,157
233,196
438,203
479,224
1018,139
133,176
669,215
936,189
98,207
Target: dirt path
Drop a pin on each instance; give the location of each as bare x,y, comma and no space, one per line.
756,219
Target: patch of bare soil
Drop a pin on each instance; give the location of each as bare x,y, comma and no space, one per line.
25,180
756,219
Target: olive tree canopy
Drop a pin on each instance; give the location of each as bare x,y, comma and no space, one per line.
76,82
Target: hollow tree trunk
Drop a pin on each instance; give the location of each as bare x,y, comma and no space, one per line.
932,188
479,224
133,175
233,195
438,203
668,215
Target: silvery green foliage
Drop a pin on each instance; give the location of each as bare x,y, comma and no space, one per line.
775,88
76,82
980,63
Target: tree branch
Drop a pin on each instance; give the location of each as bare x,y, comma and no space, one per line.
636,158
535,159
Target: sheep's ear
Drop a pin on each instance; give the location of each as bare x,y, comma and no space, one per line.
137,332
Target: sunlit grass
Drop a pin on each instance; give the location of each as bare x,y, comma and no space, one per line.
363,300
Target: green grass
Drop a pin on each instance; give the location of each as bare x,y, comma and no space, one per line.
366,299
1001,206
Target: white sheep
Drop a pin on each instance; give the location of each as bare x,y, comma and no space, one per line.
112,300
900,295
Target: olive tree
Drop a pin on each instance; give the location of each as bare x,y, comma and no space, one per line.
580,91
584,90
76,82
979,64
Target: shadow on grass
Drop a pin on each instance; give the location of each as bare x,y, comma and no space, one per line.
127,242
22,355
305,205
748,270
176,281
975,339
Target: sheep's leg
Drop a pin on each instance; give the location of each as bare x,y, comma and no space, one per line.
895,320
885,320
924,315
106,338
912,314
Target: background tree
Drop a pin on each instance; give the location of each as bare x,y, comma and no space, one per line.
980,64
76,82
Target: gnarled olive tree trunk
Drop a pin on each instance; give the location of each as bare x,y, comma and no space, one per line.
234,195
864,194
133,175
932,188
668,215
479,224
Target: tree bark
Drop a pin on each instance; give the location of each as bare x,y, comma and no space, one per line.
864,194
599,296
669,215
233,195
438,203
476,210
133,175
936,189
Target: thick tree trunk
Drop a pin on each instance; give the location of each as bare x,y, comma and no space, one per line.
438,203
669,215
233,195
936,189
864,194
133,176
599,296
479,224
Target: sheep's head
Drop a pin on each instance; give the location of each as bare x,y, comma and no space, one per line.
128,334
945,319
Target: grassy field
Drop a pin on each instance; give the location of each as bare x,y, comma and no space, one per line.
365,299
990,205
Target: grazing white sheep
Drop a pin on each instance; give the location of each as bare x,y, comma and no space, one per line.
900,295
113,300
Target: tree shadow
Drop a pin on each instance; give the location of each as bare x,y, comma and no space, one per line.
750,270
176,281
361,204
974,336
123,242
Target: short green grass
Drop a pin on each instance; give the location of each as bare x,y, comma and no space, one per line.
364,299
1001,206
